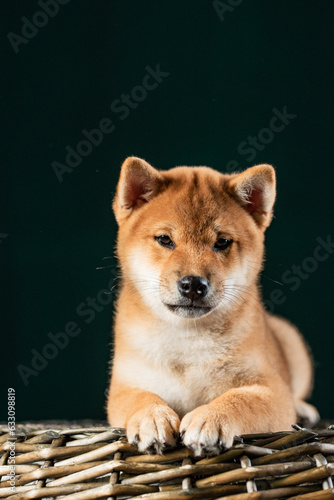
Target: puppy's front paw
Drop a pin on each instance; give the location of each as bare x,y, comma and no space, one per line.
206,431
153,428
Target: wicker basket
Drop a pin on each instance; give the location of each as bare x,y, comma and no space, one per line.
98,462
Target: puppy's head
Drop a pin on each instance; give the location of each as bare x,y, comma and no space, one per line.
190,239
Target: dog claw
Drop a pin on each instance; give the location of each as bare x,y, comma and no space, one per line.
135,440
157,447
221,445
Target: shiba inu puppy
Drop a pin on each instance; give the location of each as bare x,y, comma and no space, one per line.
196,354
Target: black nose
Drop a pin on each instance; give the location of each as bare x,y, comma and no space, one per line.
193,287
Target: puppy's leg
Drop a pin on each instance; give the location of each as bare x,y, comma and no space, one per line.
307,414
150,423
254,408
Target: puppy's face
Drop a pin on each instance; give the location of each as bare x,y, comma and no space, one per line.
191,239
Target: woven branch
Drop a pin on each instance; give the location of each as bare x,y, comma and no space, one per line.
97,462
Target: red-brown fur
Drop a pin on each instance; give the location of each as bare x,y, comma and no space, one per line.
223,373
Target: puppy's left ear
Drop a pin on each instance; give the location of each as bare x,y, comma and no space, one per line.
255,190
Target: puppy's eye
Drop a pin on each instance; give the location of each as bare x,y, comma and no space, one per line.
222,244
165,241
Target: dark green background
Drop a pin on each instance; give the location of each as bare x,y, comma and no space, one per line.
225,77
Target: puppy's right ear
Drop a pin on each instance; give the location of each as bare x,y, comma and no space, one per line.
139,182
